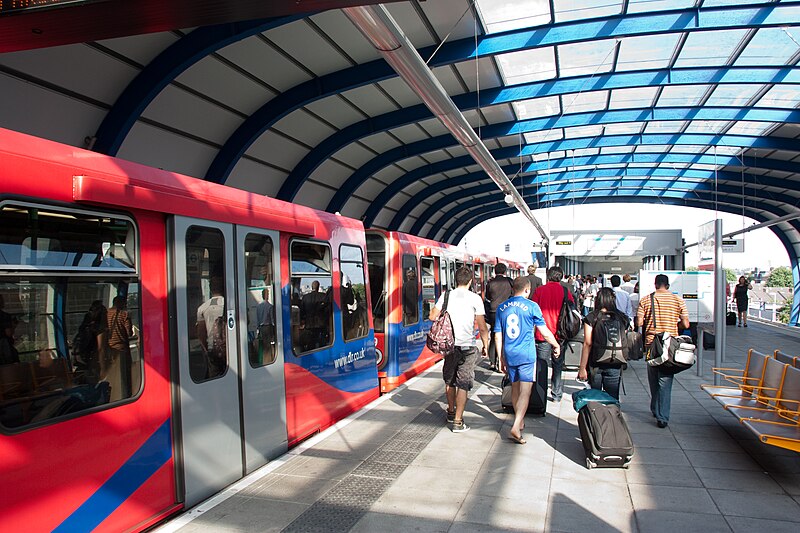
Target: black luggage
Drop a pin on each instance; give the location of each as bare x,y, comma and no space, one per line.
571,351
538,402
605,435
709,341
730,318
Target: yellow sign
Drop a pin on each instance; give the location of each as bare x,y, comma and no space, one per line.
563,243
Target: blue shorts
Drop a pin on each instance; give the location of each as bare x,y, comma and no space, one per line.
523,372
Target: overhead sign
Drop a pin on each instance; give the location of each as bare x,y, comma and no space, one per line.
705,234
696,288
733,245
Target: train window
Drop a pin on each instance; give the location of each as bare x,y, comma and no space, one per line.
69,336
410,292
206,298
428,269
476,284
353,292
36,238
376,269
311,298
453,267
261,318
443,274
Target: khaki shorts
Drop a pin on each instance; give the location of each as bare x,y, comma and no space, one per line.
459,367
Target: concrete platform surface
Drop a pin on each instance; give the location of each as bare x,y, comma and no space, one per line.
396,466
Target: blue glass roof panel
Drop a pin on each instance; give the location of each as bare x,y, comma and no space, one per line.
682,95
647,52
634,97
664,126
542,136
506,15
745,127
624,128
528,65
537,107
733,95
566,10
707,126
770,46
649,6
780,96
584,102
593,57
582,131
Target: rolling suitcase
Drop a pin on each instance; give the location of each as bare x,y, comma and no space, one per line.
605,435
538,402
571,351
730,318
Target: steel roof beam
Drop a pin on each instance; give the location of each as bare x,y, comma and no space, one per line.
504,95
690,20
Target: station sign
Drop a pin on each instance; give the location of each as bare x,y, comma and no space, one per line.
695,287
733,245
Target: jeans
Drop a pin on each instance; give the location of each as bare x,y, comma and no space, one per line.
491,350
660,392
544,352
607,379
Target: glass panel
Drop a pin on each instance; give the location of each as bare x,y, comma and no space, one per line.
584,102
584,152
653,148
582,131
632,98
721,150
770,46
537,107
746,127
733,95
664,126
311,298
542,136
688,149
205,301
428,269
507,15
453,267
709,48
626,128
527,65
584,9
682,95
545,156
48,238
376,269
476,276
646,52
649,6
617,149
410,291
707,126
67,345
261,317
586,58
778,96
353,293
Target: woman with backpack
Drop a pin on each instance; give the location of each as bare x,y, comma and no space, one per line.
603,343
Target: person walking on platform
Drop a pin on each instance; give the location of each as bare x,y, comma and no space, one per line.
465,309
670,311
627,285
498,290
623,298
550,297
742,301
533,278
513,333
605,315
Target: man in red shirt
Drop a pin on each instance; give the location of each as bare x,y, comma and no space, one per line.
550,296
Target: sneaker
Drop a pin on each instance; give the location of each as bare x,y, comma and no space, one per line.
451,417
460,427
745,325
661,424
554,399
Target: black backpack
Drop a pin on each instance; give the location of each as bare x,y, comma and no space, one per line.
609,340
569,319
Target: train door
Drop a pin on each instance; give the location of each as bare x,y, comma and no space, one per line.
223,387
260,342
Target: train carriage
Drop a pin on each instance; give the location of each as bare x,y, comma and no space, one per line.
162,336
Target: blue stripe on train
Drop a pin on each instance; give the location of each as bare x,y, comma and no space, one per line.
151,456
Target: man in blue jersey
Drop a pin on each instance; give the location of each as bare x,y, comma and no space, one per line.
514,334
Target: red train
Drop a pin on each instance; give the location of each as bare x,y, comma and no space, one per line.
162,336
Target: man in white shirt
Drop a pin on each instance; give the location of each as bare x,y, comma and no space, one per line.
623,298
465,309
627,286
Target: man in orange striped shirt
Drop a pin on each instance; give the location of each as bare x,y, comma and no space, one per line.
670,311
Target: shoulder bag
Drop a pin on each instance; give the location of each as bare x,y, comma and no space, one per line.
668,352
441,338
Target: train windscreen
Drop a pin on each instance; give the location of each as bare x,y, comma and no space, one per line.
376,270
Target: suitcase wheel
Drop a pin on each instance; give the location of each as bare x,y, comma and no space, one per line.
590,464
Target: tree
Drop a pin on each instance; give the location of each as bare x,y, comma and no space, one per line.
785,312
780,277
692,269
730,275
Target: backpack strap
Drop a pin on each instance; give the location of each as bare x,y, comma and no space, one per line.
446,298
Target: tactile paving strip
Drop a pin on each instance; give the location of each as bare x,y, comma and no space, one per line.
350,499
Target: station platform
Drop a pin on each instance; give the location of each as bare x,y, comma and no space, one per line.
396,466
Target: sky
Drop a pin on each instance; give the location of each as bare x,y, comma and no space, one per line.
762,249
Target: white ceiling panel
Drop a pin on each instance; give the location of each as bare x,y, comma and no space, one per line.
141,48
163,149
389,173
313,195
306,46
370,189
405,16
380,142
510,140
263,61
787,130
77,67
456,150
34,115
224,84
416,187
370,100
177,108
397,202
354,208
304,127
489,75
345,35
336,111
411,163
277,149
354,155
399,91
254,177
331,173
447,77
437,156
409,133
433,126
498,113
443,16
384,218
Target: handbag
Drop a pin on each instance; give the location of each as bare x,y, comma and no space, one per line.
635,344
441,338
668,352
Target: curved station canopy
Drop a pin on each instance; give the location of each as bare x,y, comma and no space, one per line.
683,102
